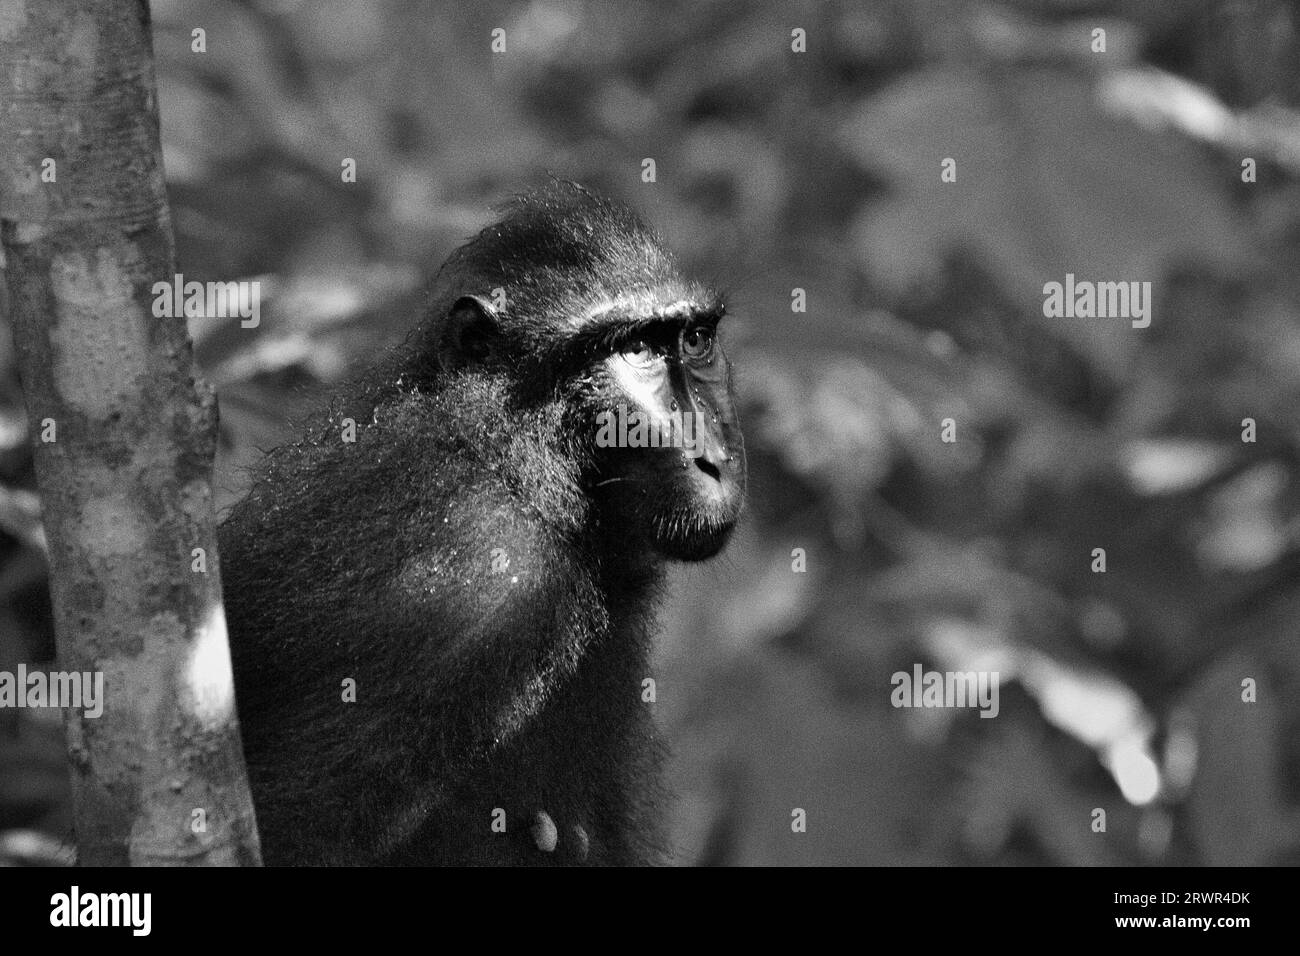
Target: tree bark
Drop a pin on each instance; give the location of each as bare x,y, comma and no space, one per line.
126,479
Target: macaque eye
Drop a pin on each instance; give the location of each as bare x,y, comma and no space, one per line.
639,354
697,342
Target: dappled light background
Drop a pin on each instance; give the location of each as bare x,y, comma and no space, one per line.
820,171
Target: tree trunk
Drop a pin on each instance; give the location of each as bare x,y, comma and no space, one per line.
124,435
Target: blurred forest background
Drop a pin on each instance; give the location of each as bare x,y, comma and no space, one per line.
821,171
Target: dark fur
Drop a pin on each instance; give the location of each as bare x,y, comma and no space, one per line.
476,689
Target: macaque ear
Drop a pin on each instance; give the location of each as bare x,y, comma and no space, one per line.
469,333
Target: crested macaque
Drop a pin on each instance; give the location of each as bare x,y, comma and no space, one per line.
441,597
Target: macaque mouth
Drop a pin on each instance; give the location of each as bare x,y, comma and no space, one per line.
699,542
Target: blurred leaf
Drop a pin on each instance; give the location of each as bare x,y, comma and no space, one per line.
1047,184
1163,466
1239,814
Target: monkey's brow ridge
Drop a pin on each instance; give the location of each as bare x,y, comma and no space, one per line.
643,309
